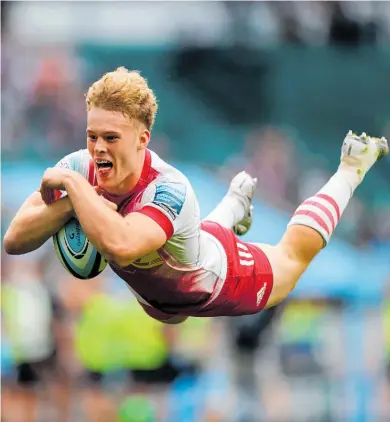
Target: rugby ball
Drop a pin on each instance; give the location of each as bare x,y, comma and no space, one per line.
75,252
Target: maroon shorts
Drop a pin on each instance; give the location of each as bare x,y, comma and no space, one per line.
248,283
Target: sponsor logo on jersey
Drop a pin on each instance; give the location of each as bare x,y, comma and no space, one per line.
170,197
148,261
167,209
64,164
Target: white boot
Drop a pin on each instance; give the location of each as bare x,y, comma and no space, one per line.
359,153
243,186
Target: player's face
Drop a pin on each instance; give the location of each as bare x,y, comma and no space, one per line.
114,143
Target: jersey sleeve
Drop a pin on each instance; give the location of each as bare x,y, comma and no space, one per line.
77,161
166,203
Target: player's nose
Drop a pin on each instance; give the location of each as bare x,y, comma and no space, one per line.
100,146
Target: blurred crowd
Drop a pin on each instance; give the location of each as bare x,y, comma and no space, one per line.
309,23
84,350
240,22
43,109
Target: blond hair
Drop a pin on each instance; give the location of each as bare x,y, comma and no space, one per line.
125,91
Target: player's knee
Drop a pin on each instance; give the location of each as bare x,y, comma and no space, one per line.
162,316
301,244
171,321
287,269
174,320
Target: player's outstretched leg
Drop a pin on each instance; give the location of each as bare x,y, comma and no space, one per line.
323,211
235,210
316,218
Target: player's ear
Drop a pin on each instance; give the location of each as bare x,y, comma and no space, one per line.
143,139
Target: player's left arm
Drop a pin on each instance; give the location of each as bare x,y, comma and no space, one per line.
120,239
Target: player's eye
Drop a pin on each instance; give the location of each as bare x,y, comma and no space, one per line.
111,138
92,138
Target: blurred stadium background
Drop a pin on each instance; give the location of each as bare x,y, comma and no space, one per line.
270,87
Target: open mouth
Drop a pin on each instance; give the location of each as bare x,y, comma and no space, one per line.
103,166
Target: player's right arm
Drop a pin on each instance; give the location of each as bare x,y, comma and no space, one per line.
36,221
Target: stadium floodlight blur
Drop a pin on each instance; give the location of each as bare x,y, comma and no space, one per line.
238,85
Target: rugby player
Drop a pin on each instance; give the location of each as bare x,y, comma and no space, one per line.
143,216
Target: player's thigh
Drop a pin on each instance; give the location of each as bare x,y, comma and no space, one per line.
286,271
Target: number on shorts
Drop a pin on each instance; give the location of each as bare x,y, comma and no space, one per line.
246,258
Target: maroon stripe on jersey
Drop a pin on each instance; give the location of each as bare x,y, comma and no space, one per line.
159,217
146,167
91,173
147,176
322,208
315,217
332,202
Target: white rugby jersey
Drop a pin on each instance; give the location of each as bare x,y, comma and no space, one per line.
191,266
